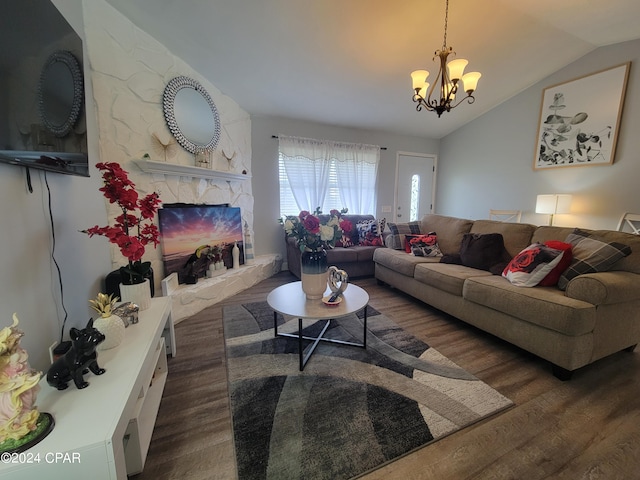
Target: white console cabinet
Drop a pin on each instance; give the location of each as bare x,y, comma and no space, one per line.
103,431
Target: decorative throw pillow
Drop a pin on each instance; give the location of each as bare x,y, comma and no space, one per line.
404,228
590,255
484,252
423,245
366,228
532,265
554,275
407,242
370,232
344,241
347,232
398,231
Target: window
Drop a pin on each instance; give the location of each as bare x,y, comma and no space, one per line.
329,175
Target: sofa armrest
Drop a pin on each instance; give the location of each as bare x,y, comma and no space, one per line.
605,287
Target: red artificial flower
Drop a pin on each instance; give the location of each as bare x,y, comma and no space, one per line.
134,228
311,224
346,225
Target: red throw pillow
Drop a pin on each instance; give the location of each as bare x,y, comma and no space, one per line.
423,245
554,275
407,242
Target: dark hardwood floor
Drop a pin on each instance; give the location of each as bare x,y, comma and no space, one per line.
587,428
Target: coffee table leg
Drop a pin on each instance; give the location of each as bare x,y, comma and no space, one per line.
364,332
275,323
302,362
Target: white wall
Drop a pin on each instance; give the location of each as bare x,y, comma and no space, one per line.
489,162
268,233
130,70
29,285
125,74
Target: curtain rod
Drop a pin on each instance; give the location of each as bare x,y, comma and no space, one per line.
276,136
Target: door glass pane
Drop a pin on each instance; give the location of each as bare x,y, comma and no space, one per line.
415,197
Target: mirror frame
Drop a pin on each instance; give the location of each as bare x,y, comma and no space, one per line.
71,62
168,102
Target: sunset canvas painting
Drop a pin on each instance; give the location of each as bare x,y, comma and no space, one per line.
184,228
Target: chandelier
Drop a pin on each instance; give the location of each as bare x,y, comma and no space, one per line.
441,96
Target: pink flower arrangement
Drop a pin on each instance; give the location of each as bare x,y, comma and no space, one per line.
310,233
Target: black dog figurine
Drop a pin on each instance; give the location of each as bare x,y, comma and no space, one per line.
80,358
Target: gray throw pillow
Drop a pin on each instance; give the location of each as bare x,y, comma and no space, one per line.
590,255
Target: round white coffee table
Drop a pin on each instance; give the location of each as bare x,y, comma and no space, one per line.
290,300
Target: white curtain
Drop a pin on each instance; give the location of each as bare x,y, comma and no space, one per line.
330,174
307,169
356,173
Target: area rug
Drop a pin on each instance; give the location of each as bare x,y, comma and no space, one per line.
352,409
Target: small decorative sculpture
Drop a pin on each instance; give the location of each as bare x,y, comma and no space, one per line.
338,281
20,421
80,357
128,312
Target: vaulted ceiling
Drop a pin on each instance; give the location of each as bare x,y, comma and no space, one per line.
347,62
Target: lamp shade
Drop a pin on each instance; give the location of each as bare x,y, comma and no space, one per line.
553,203
470,81
419,78
456,68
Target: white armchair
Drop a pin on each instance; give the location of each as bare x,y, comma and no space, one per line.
512,216
629,222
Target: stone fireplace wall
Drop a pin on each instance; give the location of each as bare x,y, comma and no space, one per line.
129,70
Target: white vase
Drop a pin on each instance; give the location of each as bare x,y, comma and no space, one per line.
313,273
140,294
112,328
235,253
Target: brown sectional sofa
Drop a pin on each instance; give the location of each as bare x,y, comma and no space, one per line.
597,315
356,260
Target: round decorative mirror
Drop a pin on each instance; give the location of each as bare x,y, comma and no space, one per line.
60,93
191,115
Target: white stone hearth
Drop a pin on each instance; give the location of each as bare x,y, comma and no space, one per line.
187,300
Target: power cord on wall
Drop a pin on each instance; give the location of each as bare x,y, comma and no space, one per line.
53,257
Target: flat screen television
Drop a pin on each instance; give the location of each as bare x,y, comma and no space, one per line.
42,114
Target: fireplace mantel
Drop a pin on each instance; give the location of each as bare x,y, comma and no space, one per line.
151,166
187,300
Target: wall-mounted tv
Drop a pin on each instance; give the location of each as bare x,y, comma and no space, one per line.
42,114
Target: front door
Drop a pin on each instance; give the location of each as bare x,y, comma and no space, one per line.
415,186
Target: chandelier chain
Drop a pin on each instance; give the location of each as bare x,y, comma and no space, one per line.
446,21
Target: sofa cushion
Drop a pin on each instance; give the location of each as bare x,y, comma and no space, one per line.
517,236
399,261
532,265
544,306
484,252
449,229
554,275
449,278
591,255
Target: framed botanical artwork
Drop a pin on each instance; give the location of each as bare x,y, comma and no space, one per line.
579,120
